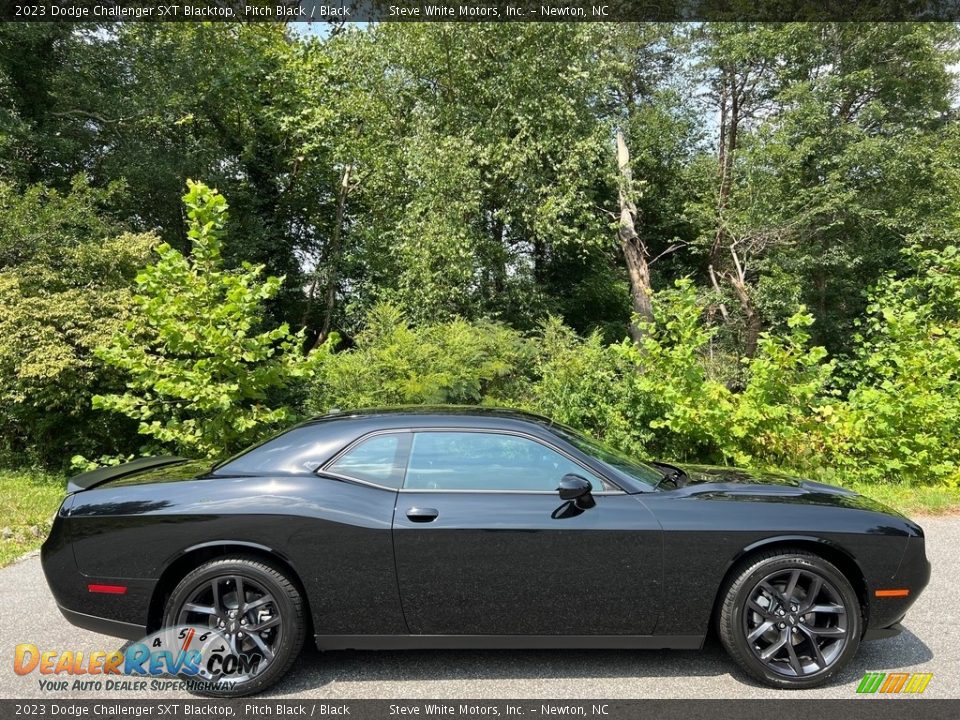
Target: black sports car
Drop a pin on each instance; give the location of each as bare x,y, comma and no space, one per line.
462,528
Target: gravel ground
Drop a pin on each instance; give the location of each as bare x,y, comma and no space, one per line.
931,643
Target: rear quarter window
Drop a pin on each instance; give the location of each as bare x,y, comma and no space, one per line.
299,450
381,460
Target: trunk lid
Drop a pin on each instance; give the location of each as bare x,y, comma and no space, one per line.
93,478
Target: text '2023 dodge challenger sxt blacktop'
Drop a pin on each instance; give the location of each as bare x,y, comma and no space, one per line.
477,528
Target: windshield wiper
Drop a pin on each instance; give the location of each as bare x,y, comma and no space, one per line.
671,474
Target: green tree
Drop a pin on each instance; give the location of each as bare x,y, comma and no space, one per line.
204,375
834,144
154,105
471,175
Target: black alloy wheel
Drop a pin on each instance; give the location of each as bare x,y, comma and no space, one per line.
795,622
790,619
256,609
241,609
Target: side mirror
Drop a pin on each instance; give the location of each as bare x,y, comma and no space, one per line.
574,487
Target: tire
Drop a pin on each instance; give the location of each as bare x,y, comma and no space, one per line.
792,650
281,615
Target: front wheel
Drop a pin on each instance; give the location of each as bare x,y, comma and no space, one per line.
790,619
254,610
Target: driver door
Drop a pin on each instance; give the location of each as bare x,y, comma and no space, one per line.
485,546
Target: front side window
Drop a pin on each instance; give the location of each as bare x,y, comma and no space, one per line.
613,459
379,460
451,460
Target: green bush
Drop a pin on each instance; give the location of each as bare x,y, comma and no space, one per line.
581,382
660,398
394,363
778,417
901,417
654,397
204,374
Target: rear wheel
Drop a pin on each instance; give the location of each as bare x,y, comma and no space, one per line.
256,609
790,619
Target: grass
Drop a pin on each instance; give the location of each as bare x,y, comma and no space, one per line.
912,499
28,501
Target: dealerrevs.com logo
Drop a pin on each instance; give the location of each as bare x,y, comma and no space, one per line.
196,655
892,683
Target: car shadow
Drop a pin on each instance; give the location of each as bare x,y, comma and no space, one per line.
904,650
315,669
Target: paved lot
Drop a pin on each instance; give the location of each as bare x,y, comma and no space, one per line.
930,644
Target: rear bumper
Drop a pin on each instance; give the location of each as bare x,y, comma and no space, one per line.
119,614
104,626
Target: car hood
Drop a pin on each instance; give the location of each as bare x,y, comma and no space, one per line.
715,482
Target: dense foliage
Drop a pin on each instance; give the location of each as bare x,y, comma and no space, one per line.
731,242
901,418
394,363
663,398
65,289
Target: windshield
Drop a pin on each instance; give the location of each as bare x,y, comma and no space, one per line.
617,461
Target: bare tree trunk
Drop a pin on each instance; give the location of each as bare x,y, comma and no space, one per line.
731,112
539,260
634,249
716,286
311,297
738,282
333,258
721,171
729,127
753,321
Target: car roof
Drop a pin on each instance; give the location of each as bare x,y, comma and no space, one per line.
430,415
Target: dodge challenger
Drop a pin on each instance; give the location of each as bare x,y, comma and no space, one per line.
478,528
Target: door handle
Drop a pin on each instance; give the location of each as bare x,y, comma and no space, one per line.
423,515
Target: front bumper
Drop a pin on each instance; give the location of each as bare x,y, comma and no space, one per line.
879,633
884,614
